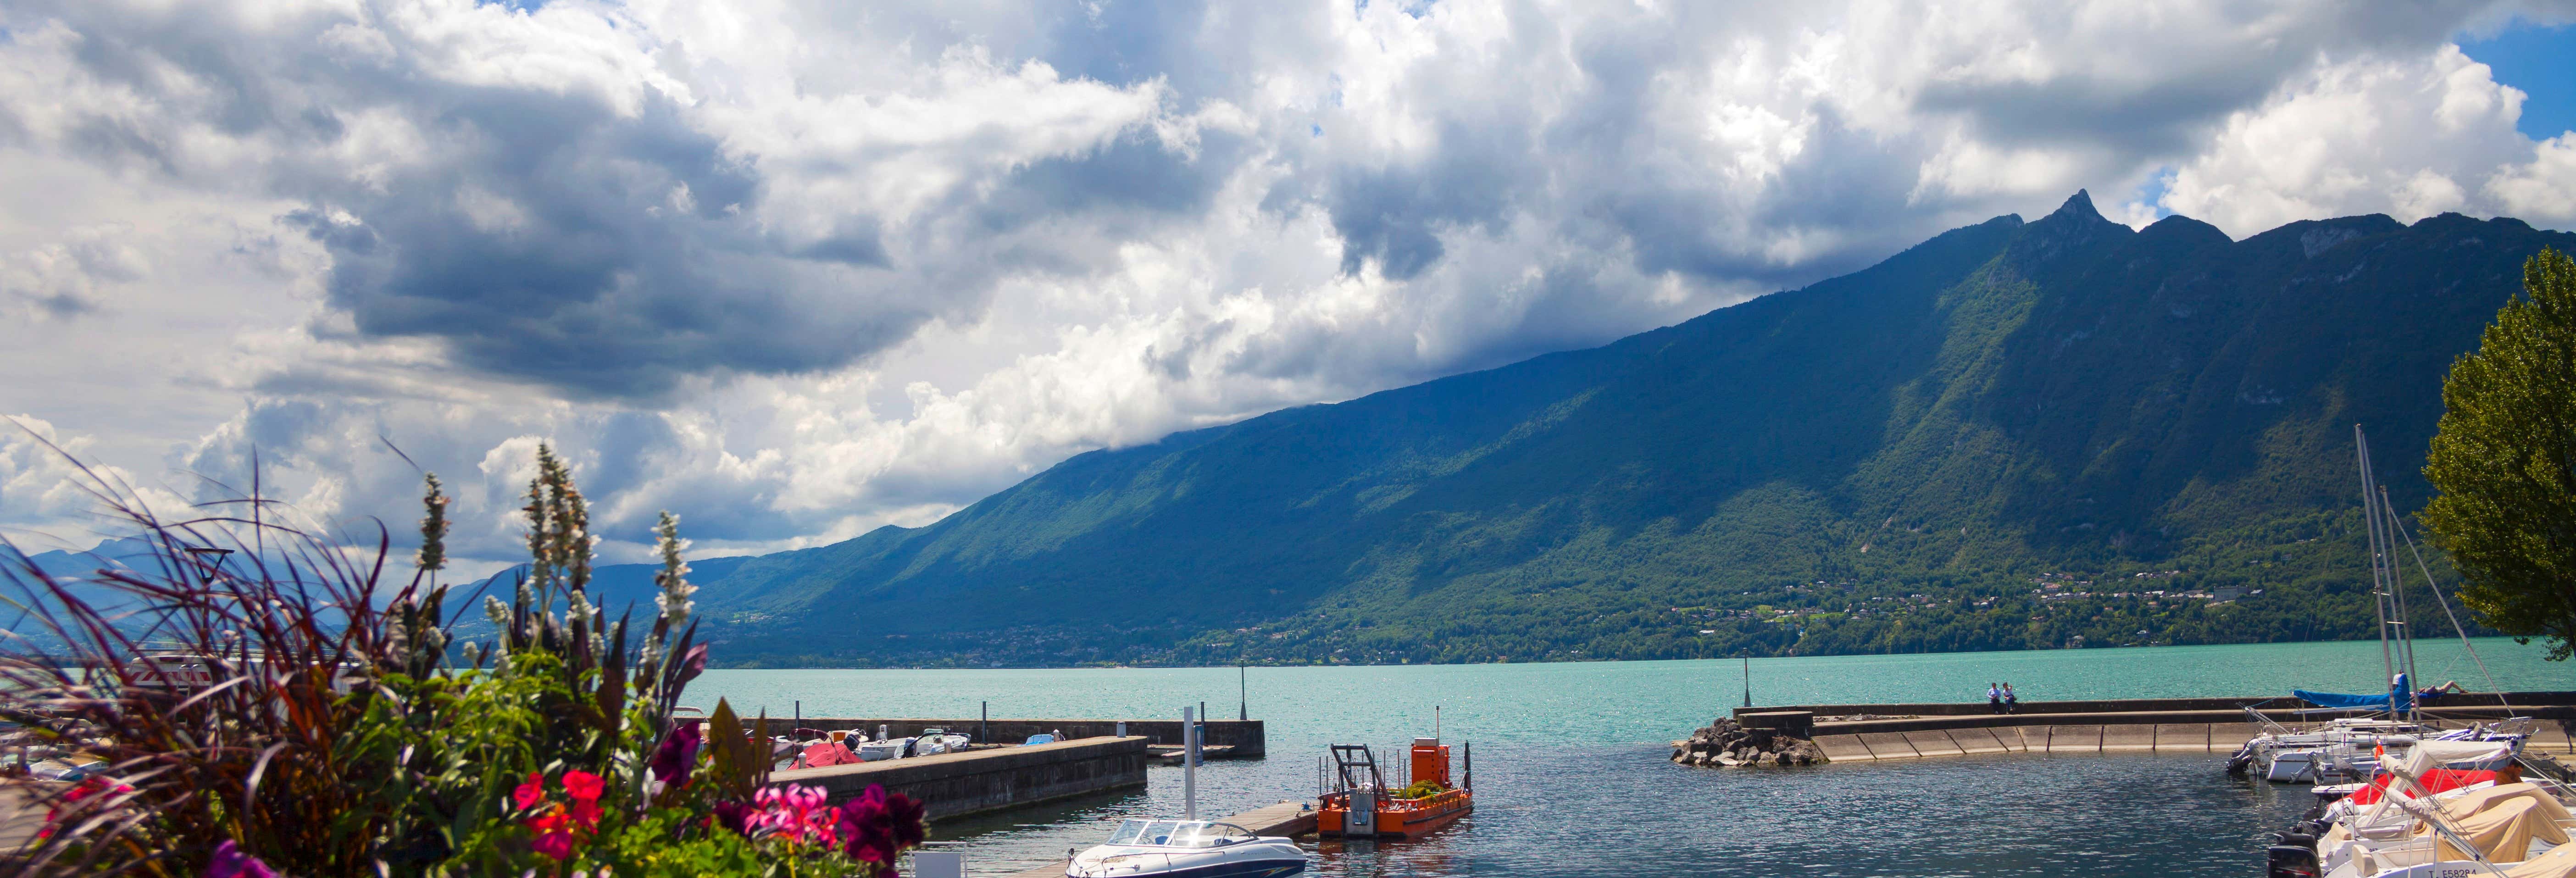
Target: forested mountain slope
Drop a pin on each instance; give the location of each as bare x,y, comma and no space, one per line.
1893,460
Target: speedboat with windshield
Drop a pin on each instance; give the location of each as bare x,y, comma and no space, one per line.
936,741
1187,849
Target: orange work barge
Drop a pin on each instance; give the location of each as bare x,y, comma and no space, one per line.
1361,805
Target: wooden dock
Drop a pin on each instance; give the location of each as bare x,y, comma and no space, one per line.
1288,818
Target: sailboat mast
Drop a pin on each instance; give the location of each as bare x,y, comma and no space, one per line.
2397,585
2370,523
2456,628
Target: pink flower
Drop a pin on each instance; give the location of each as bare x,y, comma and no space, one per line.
796,813
230,862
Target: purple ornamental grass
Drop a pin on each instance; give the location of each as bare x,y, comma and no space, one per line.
238,673
213,683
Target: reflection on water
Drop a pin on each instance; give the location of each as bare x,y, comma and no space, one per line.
1624,811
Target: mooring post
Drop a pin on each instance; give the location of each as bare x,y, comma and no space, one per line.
984,726
1189,765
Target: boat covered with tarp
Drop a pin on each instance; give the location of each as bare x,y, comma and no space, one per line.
2416,819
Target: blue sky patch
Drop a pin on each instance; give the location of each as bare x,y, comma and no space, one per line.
2541,61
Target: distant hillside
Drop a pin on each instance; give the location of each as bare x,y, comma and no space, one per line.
1885,461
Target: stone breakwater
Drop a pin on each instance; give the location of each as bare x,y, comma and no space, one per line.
1726,742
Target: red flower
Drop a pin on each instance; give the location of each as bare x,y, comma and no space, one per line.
587,814
530,793
583,786
87,788
557,845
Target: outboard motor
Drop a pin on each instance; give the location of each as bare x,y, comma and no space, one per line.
2290,861
2242,762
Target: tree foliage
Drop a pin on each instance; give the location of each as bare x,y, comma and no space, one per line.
2504,460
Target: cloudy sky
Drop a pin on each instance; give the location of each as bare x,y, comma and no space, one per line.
797,269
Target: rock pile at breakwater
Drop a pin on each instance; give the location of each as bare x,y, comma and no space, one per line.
1726,742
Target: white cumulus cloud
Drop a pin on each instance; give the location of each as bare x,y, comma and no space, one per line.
800,269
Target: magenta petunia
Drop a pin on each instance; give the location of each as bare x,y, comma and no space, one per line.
230,862
678,753
877,826
735,816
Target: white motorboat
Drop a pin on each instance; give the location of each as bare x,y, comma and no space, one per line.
1187,849
880,751
935,741
2342,752
2334,753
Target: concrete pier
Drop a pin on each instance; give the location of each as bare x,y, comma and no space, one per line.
979,781
1288,819
2168,725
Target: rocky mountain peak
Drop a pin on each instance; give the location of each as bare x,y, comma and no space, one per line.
2073,226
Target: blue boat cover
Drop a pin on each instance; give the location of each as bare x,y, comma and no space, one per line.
2373,702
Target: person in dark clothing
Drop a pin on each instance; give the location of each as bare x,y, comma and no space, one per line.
2434,694
2012,702
1994,698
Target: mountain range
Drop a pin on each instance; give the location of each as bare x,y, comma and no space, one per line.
2016,434
2061,432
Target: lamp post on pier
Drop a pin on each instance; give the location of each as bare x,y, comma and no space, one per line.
1748,677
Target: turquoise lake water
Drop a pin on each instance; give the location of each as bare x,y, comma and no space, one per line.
1572,778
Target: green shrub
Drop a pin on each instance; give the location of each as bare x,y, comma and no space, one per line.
1422,789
